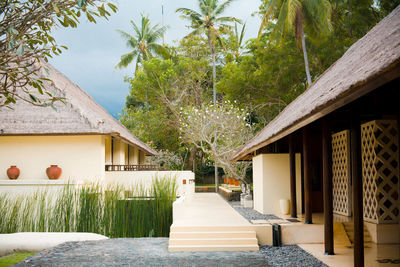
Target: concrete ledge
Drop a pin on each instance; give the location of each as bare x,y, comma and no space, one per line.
264,234
38,182
302,234
35,242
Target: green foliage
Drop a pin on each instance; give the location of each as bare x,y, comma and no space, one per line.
93,208
14,258
265,80
152,125
143,43
271,74
26,39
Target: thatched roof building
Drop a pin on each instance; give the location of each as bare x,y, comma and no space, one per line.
81,115
369,63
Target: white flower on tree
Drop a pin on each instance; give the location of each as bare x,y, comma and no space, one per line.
218,130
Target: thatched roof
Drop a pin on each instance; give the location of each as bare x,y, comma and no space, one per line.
369,63
80,115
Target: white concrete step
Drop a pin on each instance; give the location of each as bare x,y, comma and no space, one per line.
214,248
212,241
231,234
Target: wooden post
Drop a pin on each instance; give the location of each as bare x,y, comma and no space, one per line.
292,160
307,177
356,173
327,185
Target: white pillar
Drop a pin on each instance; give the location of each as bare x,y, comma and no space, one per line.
142,157
118,153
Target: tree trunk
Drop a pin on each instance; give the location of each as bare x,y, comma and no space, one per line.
212,50
303,44
192,158
214,97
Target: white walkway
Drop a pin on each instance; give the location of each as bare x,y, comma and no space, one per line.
205,222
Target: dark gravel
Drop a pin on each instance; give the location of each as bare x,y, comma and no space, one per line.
137,252
154,252
286,256
251,214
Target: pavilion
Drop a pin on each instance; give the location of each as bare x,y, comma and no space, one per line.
342,133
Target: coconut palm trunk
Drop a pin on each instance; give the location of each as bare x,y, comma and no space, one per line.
212,50
303,44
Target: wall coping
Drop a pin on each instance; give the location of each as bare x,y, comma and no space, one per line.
38,182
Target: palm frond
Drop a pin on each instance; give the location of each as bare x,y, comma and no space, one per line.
228,19
126,59
269,8
131,41
223,7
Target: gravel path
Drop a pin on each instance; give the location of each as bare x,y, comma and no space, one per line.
153,252
137,252
251,214
286,256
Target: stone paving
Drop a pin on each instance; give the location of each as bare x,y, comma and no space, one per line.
153,252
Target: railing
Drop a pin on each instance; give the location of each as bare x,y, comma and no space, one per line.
131,168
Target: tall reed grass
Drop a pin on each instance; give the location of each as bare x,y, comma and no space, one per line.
112,211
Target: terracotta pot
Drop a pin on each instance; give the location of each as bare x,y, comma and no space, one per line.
230,181
224,180
53,172
13,172
236,183
184,181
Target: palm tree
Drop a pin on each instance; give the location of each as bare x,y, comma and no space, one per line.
312,16
208,21
237,38
143,43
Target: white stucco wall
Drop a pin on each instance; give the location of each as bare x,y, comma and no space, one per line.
271,182
80,157
145,178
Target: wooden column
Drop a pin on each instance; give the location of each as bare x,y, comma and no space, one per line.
307,176
356,173
292,160
327,185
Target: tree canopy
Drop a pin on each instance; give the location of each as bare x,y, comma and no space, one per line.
260,75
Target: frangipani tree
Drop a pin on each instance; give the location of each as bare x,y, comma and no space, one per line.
218,130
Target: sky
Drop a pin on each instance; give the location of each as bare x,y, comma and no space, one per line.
95,49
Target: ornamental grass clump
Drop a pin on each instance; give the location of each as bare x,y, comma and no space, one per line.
92,208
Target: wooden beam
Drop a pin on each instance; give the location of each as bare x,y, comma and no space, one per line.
356,173
307,176
292,160
327,186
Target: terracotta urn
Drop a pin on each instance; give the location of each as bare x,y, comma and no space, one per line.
236,182
53,172
224,180
13,172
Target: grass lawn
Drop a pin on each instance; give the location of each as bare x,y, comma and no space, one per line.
14,258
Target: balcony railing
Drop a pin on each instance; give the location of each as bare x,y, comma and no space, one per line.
130,168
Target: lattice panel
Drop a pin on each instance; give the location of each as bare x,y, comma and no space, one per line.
341,173
380,161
